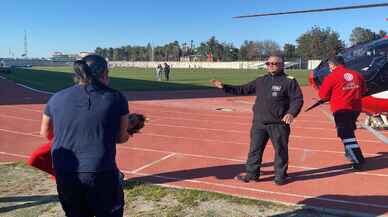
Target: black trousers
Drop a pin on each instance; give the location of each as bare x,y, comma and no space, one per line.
260,134
91,194
345,122
167,75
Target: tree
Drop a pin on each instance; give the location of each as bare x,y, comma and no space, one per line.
319,43
212,46
249,50
99,51
229,52
109,53
172,51
269,48
150,52
289,51
382,33
216,48
361,35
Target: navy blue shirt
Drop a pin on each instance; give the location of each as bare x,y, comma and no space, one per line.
86,122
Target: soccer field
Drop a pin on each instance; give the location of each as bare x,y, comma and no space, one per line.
141,79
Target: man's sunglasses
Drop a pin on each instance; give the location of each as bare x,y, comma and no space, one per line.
273,63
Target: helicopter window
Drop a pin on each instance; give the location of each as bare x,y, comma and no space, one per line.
354,53
382,51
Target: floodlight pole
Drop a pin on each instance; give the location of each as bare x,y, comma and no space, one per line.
152,53
25,45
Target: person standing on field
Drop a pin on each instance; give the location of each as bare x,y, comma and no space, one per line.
278,101
87,120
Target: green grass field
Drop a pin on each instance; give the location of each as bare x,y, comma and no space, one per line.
138,79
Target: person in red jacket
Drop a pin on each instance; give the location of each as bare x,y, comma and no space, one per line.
344,89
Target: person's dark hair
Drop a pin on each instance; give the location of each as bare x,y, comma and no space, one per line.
336,60
90,69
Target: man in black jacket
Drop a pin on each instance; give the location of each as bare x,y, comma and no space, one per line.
167,70
278,101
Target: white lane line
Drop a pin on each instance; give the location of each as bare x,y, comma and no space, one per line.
218,141
34,134
34,90
248,116
14,155
171,154
231,159
243,161
151,115
146,108
328,115
22,108
237,116
20,133
7,163
223,130
376,133
29,88
380,136
247,121
263,191
183,154
18,118
183,126
153,163
158,117
327,151
198,128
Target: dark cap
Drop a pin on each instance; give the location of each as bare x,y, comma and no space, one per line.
90,68
97,64
336,60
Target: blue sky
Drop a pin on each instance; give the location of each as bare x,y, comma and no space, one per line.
72,26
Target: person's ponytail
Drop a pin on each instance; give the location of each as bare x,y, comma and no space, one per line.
90,69
82,71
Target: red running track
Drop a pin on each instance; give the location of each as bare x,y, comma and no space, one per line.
188,143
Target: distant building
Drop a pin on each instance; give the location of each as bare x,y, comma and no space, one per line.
57,53
192,58
58,56
84,53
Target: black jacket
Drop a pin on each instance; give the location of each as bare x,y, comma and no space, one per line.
276,95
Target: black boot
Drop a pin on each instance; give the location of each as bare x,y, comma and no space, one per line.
247,177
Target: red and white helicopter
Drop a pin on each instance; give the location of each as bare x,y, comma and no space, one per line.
370,59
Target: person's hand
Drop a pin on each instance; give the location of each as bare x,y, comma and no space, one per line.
288,118
217,83
135,123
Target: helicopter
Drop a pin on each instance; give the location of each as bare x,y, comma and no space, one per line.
370,59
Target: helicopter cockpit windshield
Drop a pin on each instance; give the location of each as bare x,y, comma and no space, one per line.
370,59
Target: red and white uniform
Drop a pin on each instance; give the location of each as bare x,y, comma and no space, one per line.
344,88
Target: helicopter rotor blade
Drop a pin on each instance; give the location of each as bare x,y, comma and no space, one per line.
314,10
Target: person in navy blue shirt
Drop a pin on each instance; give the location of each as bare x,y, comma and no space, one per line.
87,120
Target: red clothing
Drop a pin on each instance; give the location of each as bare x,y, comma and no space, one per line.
41,157
344,88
